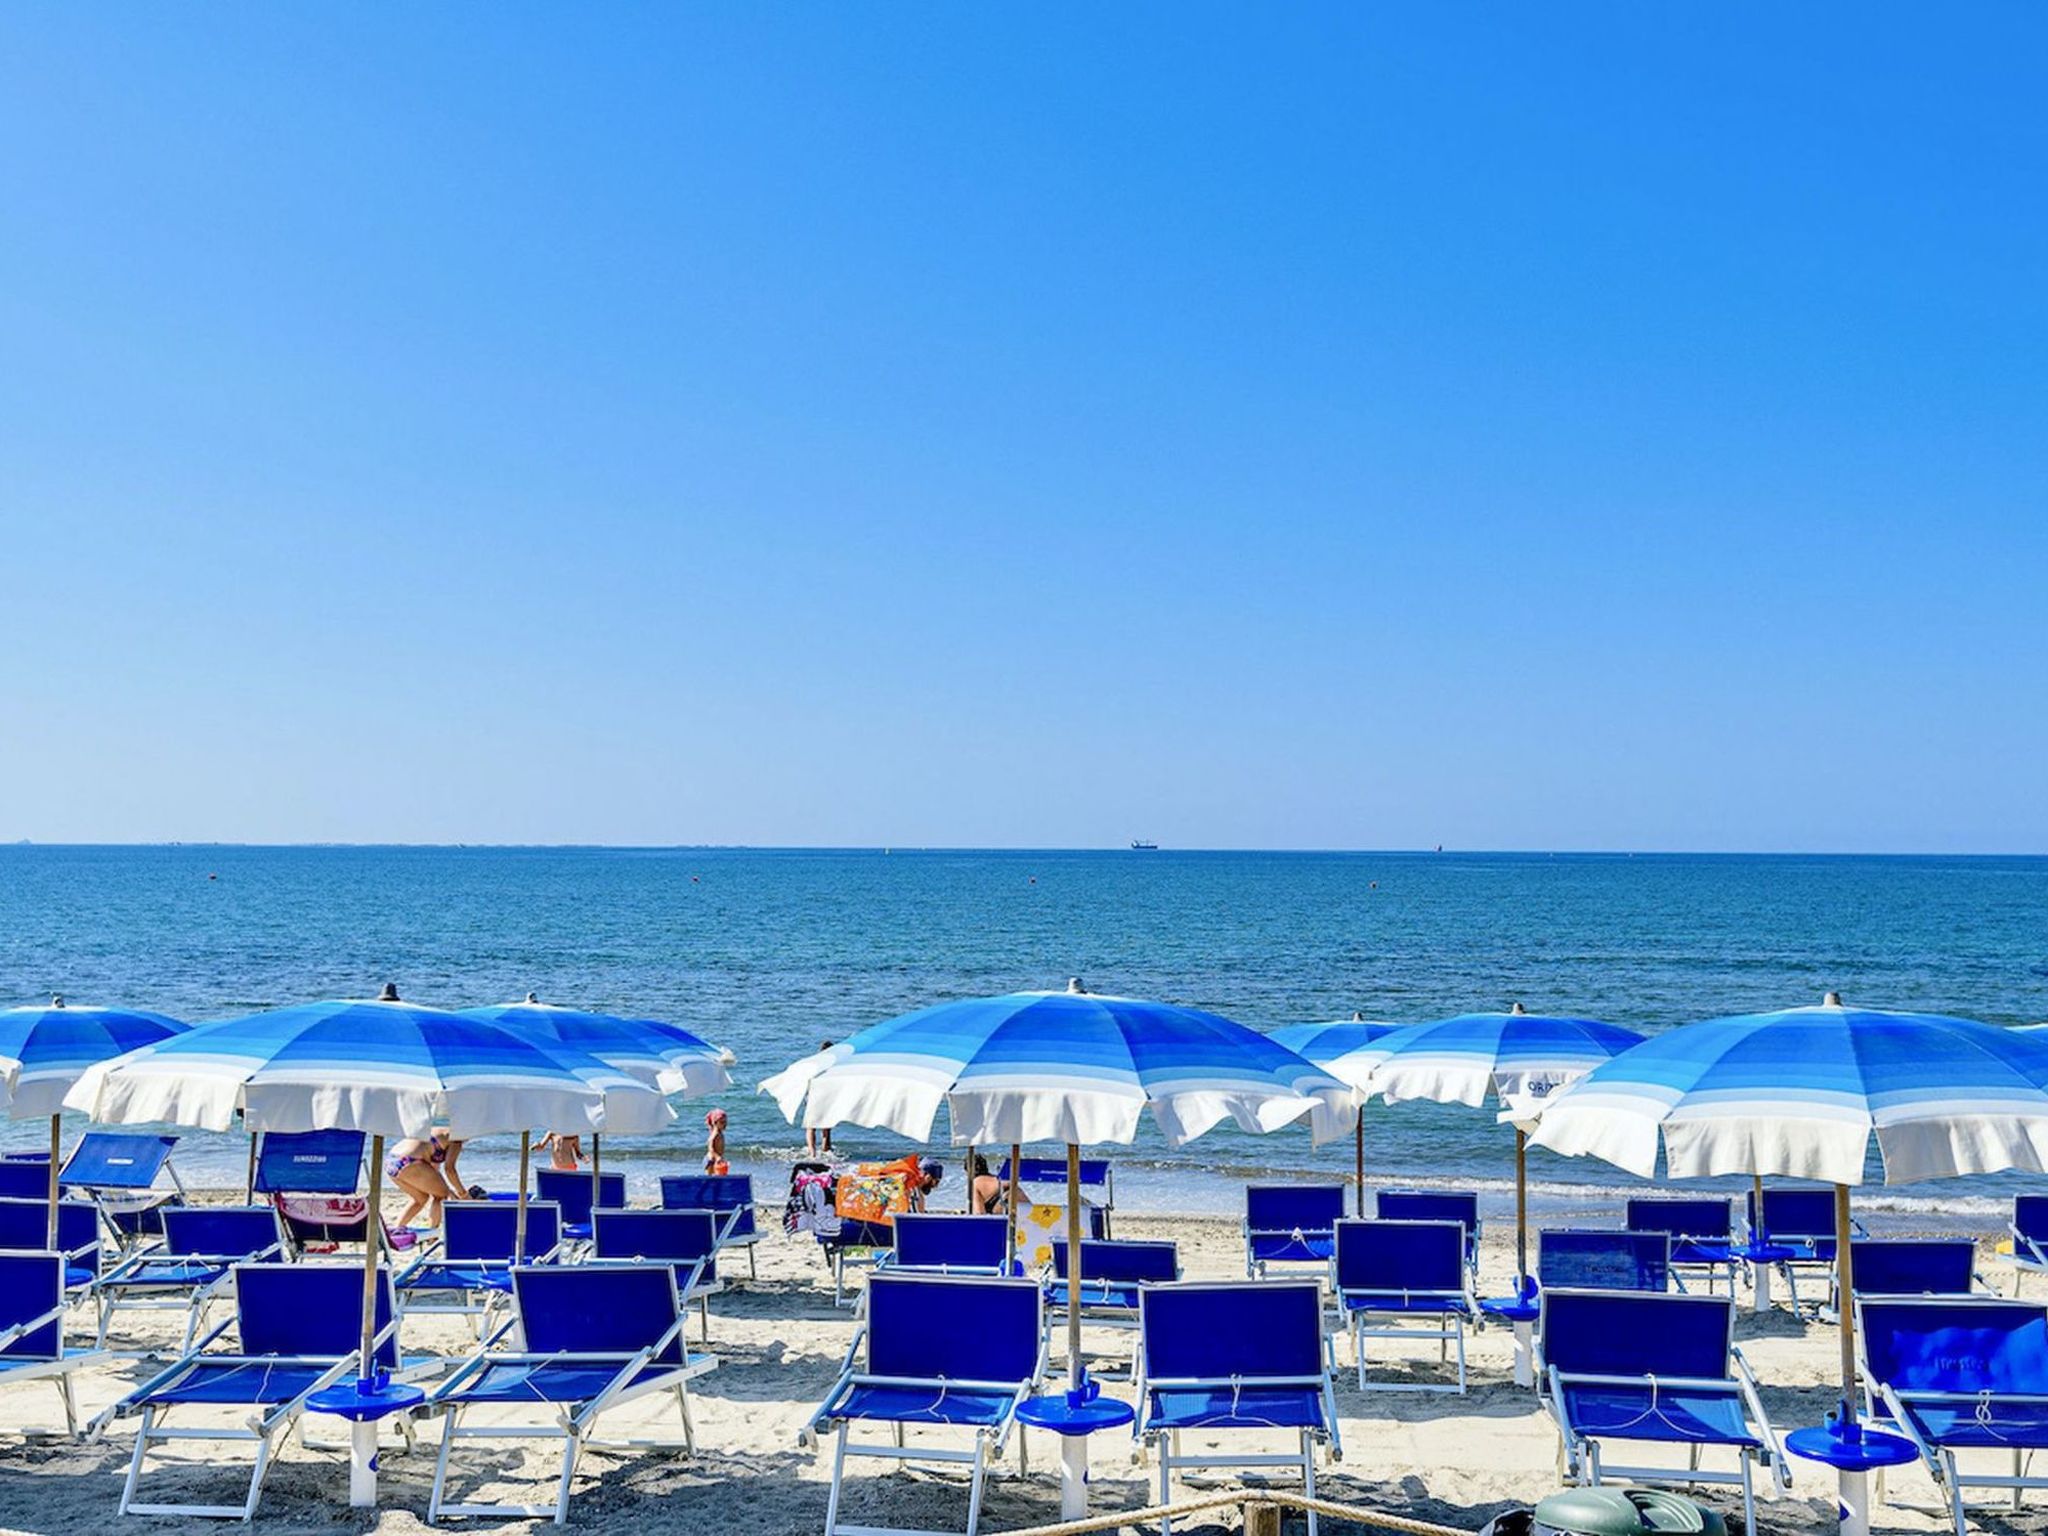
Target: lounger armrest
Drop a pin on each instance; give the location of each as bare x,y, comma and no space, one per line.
20,1330
72,1255
281,1412
1687,1383
807,1436
727,1228
1753,1401
1221,1383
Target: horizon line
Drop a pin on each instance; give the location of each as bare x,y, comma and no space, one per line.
1434,851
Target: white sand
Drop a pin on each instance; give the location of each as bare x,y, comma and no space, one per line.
1458,1460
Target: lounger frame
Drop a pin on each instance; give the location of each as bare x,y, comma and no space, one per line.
22,1359
1421,1312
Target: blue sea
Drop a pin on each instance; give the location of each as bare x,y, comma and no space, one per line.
772,951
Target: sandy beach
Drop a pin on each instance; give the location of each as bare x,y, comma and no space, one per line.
780,1340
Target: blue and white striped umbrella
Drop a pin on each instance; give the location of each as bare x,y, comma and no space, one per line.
1516,1055
1071,1067
1800,1092
56,1044
666,1055
387,1067
1348,1049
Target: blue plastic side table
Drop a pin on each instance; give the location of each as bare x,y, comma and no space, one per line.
1854,1452
1074,1416
1520,1310
363,1403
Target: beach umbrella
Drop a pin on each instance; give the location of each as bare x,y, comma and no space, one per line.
668,1056
54,1045
1348,1050
1517,1056
382,1066
1074,1067
1799,1093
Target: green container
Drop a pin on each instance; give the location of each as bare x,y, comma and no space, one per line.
1623,1512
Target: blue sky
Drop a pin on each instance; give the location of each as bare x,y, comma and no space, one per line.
1587,427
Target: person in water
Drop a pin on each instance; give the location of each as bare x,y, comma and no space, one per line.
714,1143
564,1149
425,1168
818,1140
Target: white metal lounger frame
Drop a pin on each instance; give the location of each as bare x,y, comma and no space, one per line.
60,1368
127,1288
1167,1441
1579,1453
267,1428
986,1440
1448,1332
573,1422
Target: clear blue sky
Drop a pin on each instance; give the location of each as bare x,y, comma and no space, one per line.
1585,427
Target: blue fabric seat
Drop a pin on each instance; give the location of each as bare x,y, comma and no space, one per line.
297,1328
940,1351
470,1274
33,1298
1290,1224
1938,1266
1459,1205
2027,1247
129,1176
1098,1181
573,1192
730,1196
193,1266
1646,1366
1960,1373
1239,1357
1114,1275
1803,1220
593,1338
1393,1269
25,1227
950,1243
1701,1230
687,1241
1604,1261
312,1163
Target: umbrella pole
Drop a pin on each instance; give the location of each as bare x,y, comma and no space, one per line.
1521,1209
969,1180
1358,1157
519,1220
55,1123
596,1164
1073,1448
1010,1205
1852,1486
366,1362
1760,1274
249,1178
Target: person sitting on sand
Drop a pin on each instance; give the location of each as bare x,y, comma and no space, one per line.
425,1168
987,1190
564,1149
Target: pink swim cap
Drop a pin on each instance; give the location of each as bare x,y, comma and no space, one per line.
715,1117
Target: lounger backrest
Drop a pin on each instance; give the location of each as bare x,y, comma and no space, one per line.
1382,1255
1604,1261
599,1309
482,1231
116,1160
1293,1207
1795,1212
221,1231
2030,1215
32,1284
1461,1206
308,1309
1938,1266
963,1329
309,1163
674,1237
1209,1331
1049,1170
1636,1333
25,1224
24,1178
1979,1345
1681,1216
720,1192
954,1242
571,1191
1122,1261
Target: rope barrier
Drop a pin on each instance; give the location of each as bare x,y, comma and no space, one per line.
1378,1519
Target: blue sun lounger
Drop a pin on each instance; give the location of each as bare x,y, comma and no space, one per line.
1113,1272
315,1163
124,1173
1604,1261
33,1298
596,1337
192,1267
1702,1233
1405,1280
1927,1266
868,1239
1290,1224
1231,1357
942,1352
2029,1237
729,1195
1961,1374
1098,1176
1459,1205
571,1191
25,1177
25,1227
950,1244
1804,1221
298,1329
470,1274
686,1241
1638,1367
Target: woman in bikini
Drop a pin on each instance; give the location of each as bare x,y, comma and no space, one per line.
425,1169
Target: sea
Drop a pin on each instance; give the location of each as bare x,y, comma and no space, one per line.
773,951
